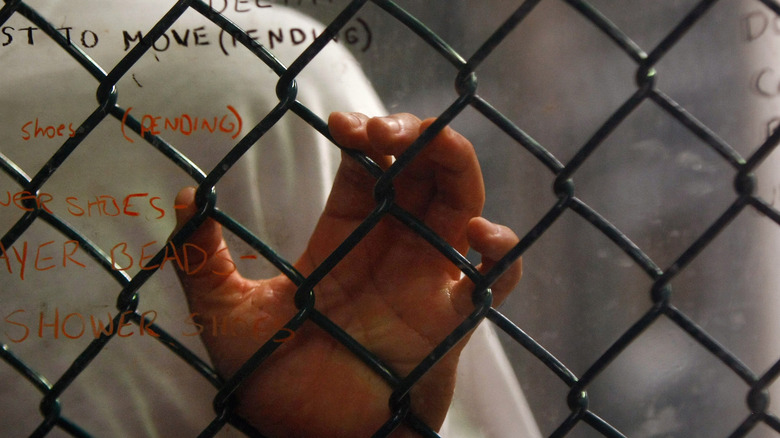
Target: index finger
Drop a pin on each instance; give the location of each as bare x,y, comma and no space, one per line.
449,163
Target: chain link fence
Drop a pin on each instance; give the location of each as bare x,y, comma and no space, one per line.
659,276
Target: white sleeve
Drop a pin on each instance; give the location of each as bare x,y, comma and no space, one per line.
488,401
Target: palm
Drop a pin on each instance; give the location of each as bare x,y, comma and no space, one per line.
393,293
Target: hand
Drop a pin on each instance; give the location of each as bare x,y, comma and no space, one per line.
393,292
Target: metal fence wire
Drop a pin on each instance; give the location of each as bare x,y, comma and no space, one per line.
466,64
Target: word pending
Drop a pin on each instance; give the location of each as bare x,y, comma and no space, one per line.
228,123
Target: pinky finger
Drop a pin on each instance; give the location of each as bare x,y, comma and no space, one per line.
493,242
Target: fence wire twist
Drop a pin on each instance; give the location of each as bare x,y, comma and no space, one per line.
467,96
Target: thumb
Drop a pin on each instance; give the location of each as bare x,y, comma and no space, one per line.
206,262
492,241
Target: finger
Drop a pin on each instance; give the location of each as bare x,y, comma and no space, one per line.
443,184
349,130
208,263
493,242
351,197
459,176
391,135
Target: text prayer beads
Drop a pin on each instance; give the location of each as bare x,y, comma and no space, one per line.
22,257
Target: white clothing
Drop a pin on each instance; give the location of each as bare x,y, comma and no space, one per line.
135,387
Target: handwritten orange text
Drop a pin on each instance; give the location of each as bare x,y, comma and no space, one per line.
24,200
228,123
22,257
34,129
233,326
21,325
133,204
190,258
75,325
107,205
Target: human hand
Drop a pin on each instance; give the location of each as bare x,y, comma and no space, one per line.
393,293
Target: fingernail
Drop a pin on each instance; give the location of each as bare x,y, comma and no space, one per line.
392,124
354,120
